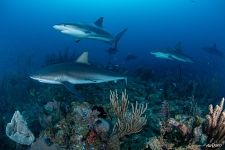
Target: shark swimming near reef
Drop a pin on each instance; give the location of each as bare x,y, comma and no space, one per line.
70,74
213,50
173,54
89,31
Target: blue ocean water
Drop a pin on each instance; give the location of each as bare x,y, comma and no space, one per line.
27,35
26,26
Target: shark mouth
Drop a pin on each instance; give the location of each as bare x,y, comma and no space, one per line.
45,80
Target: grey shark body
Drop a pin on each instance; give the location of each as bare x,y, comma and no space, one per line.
173,54
79,72
213,50
93,31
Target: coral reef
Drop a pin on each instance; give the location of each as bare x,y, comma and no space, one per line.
63,121
178,135
192,132
127,123
41,144
18,131
80,129
51,114
164,113
86,126
215,125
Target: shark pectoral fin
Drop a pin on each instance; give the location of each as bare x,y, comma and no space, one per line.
99,22
70,87
77,40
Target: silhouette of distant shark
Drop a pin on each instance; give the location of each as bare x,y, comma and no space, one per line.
174,53
213,50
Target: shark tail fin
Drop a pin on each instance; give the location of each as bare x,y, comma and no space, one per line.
118,36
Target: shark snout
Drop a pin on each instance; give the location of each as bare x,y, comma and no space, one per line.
34,77
59,27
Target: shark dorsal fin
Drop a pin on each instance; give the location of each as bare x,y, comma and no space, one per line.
178,47
99,22
83,58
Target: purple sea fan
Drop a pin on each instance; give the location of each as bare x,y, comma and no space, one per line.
92,116
51,106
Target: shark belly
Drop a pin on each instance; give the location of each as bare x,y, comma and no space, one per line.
182,59
75,33
161,55
49,81
91,79
101,38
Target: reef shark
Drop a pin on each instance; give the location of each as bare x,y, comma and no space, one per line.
89,31
79,72
173,54
214,50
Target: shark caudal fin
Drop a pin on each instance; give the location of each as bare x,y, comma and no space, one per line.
118,36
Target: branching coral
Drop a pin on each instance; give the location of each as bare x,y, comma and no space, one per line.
188,134
127,123
215,124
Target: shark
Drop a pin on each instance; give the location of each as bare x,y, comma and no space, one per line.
89,31
74,73
174,53
213,50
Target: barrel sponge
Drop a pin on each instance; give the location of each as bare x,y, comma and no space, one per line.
18,131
